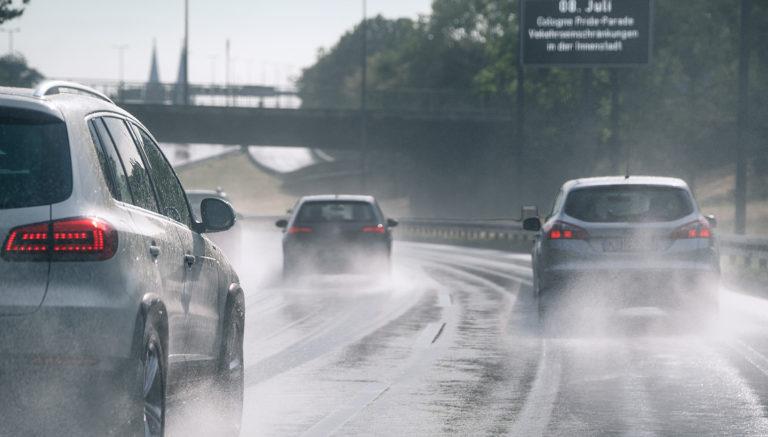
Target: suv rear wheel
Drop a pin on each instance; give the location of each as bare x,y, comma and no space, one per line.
153,379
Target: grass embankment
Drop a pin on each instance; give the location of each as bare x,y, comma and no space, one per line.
255,192
250,190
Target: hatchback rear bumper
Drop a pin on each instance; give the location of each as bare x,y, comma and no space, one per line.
672,288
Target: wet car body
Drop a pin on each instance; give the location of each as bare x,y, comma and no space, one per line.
337,233
111,296
626,241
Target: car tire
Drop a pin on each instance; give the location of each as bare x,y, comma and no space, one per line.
230,373
153,383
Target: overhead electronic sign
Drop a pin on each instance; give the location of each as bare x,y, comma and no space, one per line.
585,33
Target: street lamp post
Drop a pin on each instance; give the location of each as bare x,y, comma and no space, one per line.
121,58
10,33
363,104
185,76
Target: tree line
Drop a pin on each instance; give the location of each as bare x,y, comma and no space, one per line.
675,116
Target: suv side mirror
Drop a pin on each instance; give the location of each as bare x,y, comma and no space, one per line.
282,223
391,223
217,215
712,220
532,224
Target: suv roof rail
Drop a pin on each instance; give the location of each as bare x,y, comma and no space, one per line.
53,87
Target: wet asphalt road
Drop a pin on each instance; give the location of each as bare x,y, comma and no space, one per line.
452,346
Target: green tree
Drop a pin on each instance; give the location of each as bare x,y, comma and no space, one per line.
15,72
9,12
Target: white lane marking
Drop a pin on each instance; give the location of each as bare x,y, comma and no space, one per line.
371,392
537,411
444,300
758,360
336,420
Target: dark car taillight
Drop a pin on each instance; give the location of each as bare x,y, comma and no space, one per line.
299,230
379,229
698,229
73,239
565,231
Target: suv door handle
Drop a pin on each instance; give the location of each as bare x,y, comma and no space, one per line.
154,251
189,259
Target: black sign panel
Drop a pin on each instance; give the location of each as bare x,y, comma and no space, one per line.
583,33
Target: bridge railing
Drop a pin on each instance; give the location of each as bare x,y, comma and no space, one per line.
404,99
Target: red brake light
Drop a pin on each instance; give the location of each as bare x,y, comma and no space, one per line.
698,229
75,239
297,229
565,231
378,229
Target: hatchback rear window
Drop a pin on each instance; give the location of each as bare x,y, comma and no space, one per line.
626,203
313,212
35,165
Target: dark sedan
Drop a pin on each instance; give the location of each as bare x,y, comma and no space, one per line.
337,233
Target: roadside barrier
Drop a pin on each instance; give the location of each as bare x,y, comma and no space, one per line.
492,234
742,251
749,252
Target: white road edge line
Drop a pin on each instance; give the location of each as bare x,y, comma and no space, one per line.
758,360
537,411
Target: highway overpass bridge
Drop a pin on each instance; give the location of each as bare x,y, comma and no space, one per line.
323,128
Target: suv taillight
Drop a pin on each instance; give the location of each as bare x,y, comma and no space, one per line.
565,231
73,239
698,229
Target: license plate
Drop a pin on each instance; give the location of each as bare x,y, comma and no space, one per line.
629,245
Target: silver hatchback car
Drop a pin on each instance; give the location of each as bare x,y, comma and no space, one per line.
111,297
628,241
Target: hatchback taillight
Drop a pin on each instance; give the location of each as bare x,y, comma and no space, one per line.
565,231
73,239
299,230
698,229
379,229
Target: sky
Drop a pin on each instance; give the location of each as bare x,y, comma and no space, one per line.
270,40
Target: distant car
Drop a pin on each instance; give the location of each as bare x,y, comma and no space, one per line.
337,233
626,240
231,240
111,295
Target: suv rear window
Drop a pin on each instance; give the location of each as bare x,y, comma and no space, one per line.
626,203
313,212
35,165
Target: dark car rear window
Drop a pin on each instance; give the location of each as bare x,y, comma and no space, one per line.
336,211
35,165
626,203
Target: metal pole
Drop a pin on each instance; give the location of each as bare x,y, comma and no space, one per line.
363,104
740,195
185,86
121,58
10,33
615,138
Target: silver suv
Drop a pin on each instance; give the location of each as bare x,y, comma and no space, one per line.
111,295
631,241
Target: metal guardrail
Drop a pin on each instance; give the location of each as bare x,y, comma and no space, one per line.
494,234
509,235
745,250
